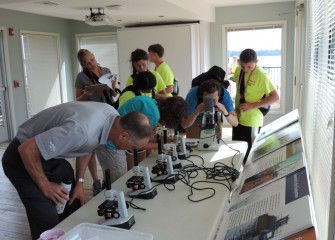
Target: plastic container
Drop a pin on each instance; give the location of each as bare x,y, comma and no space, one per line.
52,234
89,231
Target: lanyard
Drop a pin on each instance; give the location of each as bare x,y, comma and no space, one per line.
96,77
241,86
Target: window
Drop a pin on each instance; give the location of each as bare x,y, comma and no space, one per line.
43,83
267,40
317,111
103,46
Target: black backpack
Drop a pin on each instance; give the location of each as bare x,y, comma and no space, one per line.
128,88
214,72
132,88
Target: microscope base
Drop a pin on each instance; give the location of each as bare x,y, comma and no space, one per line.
207,141
206,147
184,155
177,165
144,194
125,223
166,178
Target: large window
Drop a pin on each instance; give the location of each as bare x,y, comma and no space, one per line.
317,110
267,40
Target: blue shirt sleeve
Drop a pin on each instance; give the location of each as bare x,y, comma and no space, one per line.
227,101
192,100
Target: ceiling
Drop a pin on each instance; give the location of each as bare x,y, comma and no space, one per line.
129,12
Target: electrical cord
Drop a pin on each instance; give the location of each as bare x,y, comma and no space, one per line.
236,152
134,206
219,174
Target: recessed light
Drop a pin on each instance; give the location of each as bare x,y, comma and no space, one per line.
48,3
115,6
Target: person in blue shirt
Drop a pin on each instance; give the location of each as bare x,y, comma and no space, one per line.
194,99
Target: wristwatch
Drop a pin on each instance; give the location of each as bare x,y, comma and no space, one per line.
80,180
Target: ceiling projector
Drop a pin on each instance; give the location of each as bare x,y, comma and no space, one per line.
97,18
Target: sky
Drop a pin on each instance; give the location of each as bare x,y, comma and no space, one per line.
261,39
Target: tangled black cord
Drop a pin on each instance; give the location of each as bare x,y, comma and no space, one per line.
219,173
166,184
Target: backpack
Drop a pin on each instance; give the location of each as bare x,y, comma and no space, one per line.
214,72
128,88
132,88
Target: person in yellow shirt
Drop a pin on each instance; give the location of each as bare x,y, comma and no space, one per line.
139,59
144,84
252,83
156,53
232,67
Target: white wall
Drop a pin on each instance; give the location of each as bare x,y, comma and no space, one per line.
181,44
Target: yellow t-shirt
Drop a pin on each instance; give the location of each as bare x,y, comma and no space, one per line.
160,85
167,74
129,95
257,85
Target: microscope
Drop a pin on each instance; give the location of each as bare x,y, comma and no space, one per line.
164,168
207,139
140,182
183,152
171,149
114,209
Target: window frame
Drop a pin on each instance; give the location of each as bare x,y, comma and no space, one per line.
101,34
52,76
257,25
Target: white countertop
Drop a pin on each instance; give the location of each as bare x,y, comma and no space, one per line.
170,214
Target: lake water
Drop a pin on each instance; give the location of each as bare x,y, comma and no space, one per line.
268,61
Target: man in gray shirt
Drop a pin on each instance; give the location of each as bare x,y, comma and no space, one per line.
34,161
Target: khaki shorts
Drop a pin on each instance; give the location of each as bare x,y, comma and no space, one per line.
114,160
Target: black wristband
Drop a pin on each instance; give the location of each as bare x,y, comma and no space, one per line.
226,115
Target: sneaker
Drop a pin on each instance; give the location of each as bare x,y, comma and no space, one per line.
96,187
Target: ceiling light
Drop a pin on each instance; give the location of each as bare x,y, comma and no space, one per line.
48,3
115,7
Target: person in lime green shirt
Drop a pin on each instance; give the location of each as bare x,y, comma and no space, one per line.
156,53
232,67
252,83
139,60
144,84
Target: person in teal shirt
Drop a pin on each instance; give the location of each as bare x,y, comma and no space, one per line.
146,105
252,84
